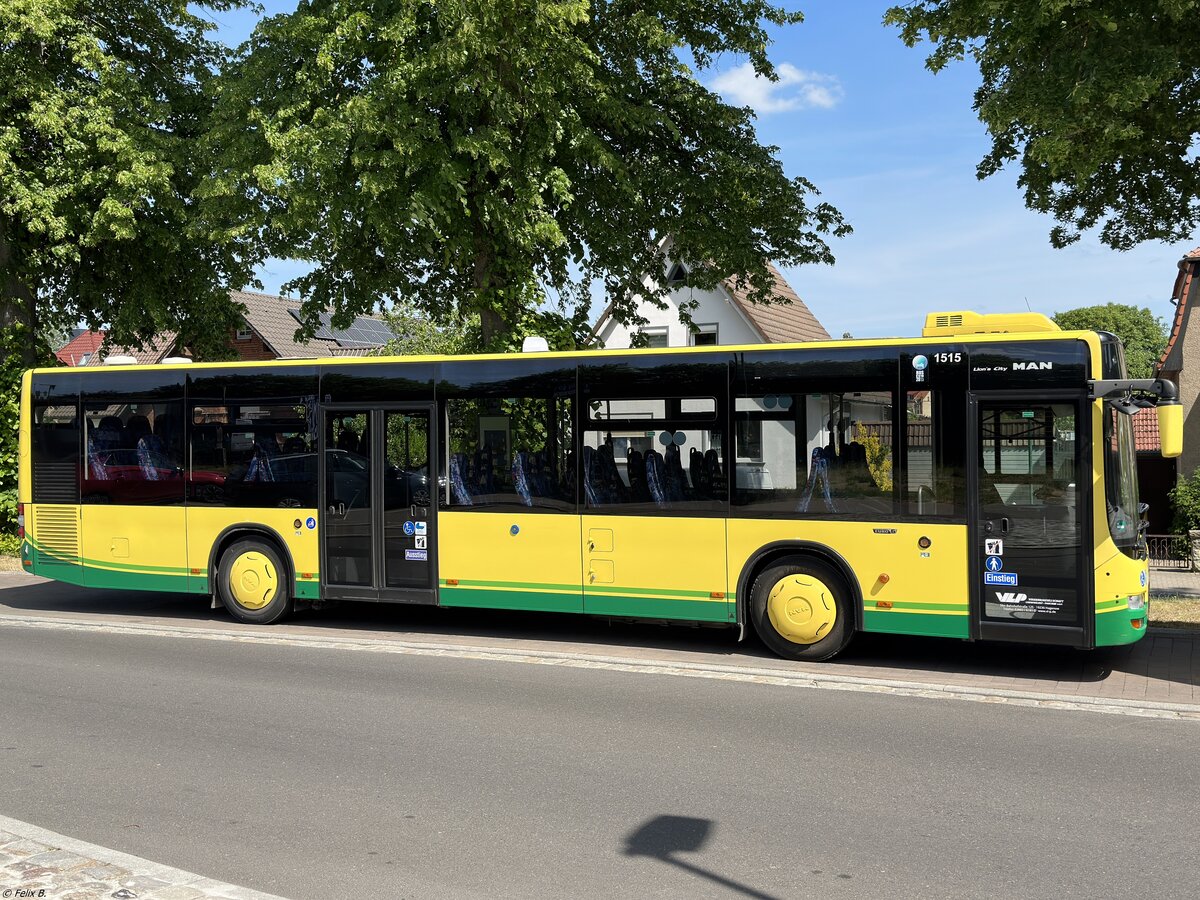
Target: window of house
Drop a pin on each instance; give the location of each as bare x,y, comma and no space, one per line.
677,275
705,337
243,333
656,337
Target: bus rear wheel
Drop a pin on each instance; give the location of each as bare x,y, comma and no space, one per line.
252,583
801,609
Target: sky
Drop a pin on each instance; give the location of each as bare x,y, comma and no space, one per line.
895,149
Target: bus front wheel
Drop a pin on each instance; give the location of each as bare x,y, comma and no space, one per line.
801,609
252,582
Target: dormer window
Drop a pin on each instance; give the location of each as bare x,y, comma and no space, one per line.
677,275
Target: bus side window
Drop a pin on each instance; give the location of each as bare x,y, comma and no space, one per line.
510,452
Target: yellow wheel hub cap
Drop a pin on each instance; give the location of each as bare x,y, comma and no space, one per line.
802,608
253,580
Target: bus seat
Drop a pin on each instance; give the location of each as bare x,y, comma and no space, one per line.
656,477
98,469
149,453
591,495
458,484
635,468
676,481
521,476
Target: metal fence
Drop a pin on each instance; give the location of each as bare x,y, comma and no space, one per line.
1170,551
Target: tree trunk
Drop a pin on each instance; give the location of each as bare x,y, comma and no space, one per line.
18,302
493,326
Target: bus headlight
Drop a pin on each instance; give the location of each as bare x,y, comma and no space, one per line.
1137,601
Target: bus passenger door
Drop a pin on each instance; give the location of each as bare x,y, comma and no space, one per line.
1032,511
379,528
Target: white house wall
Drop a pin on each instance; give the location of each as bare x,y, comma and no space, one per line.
714,308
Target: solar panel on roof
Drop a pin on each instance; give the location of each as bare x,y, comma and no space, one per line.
363,332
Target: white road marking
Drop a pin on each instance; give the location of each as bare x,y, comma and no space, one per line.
716,671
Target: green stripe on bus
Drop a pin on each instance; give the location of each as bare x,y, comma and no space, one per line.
118,566
535,585
892,622
536,601
654,608
575,602
956,609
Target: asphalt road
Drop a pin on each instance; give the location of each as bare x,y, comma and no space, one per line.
317,773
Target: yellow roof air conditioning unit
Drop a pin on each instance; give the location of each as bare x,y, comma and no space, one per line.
948,324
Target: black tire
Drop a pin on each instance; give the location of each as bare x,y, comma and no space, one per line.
806,608
249,561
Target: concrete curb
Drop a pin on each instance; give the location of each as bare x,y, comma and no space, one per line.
725,672
136,875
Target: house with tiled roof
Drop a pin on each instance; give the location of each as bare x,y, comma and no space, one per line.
80,348
268,331
723,315
1180,361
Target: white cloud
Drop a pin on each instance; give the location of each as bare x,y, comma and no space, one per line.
795,89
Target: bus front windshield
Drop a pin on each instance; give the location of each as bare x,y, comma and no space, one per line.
1120,481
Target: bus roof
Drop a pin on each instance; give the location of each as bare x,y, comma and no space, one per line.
960,327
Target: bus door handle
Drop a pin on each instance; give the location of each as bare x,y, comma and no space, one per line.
339,510
1004,525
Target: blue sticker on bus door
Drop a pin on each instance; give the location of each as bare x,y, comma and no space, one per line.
994,564
1008,579
418,555
410,529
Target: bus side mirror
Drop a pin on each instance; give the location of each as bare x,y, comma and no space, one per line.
1170,428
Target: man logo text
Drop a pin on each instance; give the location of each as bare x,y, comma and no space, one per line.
1018,366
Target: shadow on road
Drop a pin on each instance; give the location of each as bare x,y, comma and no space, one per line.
663,837
1160,655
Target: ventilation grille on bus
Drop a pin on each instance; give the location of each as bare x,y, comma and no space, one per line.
949,321
56,530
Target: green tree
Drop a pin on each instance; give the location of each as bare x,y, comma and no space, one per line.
1143,333
102,104
1185,503
418,335
1098,100
15,343
488,157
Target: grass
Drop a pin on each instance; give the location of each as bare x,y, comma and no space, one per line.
1175,612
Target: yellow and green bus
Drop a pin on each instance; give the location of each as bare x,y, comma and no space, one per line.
977,482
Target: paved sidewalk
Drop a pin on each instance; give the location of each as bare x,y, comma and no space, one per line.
36,863
1174,583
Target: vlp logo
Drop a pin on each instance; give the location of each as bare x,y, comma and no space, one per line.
1011,597
1019,366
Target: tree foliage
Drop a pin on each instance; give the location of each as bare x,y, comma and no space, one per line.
1185,504
1143,333
1098,100
102,104
485,157
416,335
15,342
